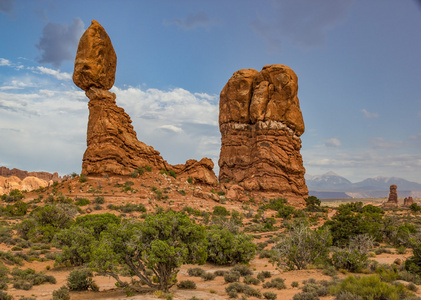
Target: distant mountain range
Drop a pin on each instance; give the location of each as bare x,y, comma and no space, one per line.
332,185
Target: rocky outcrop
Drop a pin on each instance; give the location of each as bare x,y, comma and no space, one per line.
112,144
408,201
6,172
29,183
261,123
392,201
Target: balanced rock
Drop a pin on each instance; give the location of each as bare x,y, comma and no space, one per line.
96,61
393,194
261,123
112,144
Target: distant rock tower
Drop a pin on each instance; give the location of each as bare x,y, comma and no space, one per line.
392,201
261,123
408,201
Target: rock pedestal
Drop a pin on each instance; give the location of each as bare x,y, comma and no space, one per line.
392,201
261,123
112,144
408,201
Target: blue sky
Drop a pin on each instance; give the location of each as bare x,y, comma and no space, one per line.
358,65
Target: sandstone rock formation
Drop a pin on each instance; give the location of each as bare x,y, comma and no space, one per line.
112,144
408,201
29,183
392,201
261,123
6,172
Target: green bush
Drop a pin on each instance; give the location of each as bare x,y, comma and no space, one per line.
14,195
354,219
251,280
172,173
99,200
243,270
225,247
82,178
81,280
303,246
61,294
5,296
25,279
17,209
97,222
186,285
269,295
371,287
82,201
196,272
76,243
351,260
263,275
415,207
220,211
162,243
232,277
277,283
208,276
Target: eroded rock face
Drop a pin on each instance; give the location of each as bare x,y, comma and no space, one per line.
393,195
261,123
112,144
96,61
408,201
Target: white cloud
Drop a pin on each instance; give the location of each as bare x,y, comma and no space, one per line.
380,143
171,128
56,73
333,142
5,62
368,114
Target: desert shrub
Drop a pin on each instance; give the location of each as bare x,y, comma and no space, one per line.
285,211
187,285
243,270
82,201
232,277
208,276
97,222
75,243
294,284
81,280
99,200
162,243
82,178
25,279
11,259
251,280
402,234
278,283
220,211
302,247
196,272
225,247
275,204
61,294
370,287
44,222
234,288
220,272
264,275
306,296
351,260
269,295
414,207
6,235
190,180
319,288
172,173
17,209
354,219
14,195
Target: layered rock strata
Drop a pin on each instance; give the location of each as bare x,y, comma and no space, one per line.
261,123
112,144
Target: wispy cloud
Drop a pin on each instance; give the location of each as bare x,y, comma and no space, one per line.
380,143
333,142
58,42
56,73
369,115
302,22
192,21
5,62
